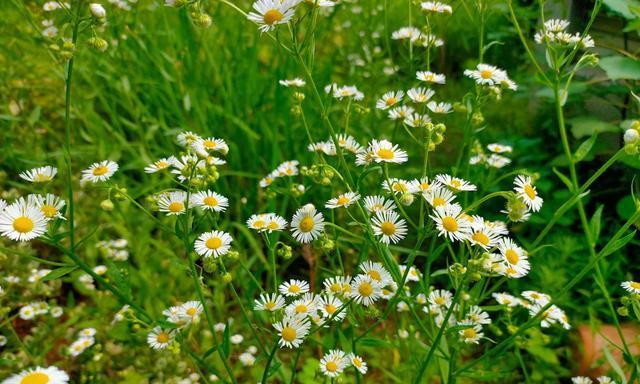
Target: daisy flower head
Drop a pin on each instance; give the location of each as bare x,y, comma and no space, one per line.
296,82
22,221
365,290
536,297
440,298
631,286
190,311
334,363
214,243
506,299
375,204
349,143
269,13
173,203
482,235
99,171
37,375
348,91
50,205
358,363
472,334
515,258
431,77
441,108
439,197
400,113
269,302
210,144
337,285
344,200
307,224
274,223
159,338
159,165
527,192
303,306
406,33
424,185
329,306
499,148
398,186
293,288
581,380
456,184
420,95
292,330
450,222
387,152
326,147
435,7
377,272
209,200
497,161
389,99
478,315
429,40
40,174
417,120
389,226
413,275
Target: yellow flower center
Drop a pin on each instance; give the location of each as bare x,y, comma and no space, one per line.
357,362
35,378
306,224
175,207
191,311
530,192
301,308
272,16
512,256
439,300
424,186
455,183
23,224
294,289
210,201
385,154
634,285
390,101
486,74
388,228
375,275
342,200
101,170
438,201
273,225
41,177
330,308
365,289
209,144
332,366
259,224
213,242
161,164
399,187
335,288
288,334
469,333
450,224
49,210
481,238
162,337
269,305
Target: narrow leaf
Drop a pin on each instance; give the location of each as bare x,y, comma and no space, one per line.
59,272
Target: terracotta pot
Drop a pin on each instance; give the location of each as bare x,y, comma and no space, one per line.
589,351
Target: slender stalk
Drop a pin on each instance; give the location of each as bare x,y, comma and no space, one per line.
265,374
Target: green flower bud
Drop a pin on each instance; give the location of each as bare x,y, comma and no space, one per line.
201,20
477,118
106,205
98,44
406,199
227,278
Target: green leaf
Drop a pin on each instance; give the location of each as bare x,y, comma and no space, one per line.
626,207
564,178
584,148
59,272
595,224
587,126
226,342
620,67
622,7
612,247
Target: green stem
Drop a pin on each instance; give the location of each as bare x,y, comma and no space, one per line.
265,374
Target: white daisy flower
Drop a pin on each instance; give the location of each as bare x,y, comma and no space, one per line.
210,200
413,275
292,331
515,258
333,363
269,302
527,192
420,95
377,272
344,200
385,151
406,33
99,171
439,107
173,203
190,311
258,221
506,299
375,204
472,334
499,148
307,224
27,312
389,226
40,174
389,99
455,183
398,186
581,380
303,306
365,290
348,91
349,143
159,338
39,375
293,288
159,165
451,223
50,205
440,298
439,197
482,235
337,285
478,316
358,363
297,82
329,305
430,77
270,13
214,243
631,286
400,113
22,221
536,297
417,120
247,359
435,7
498,161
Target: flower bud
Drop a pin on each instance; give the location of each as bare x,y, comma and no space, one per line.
406,199
106,205
98,44
97,10
227,278
202,20
631,136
